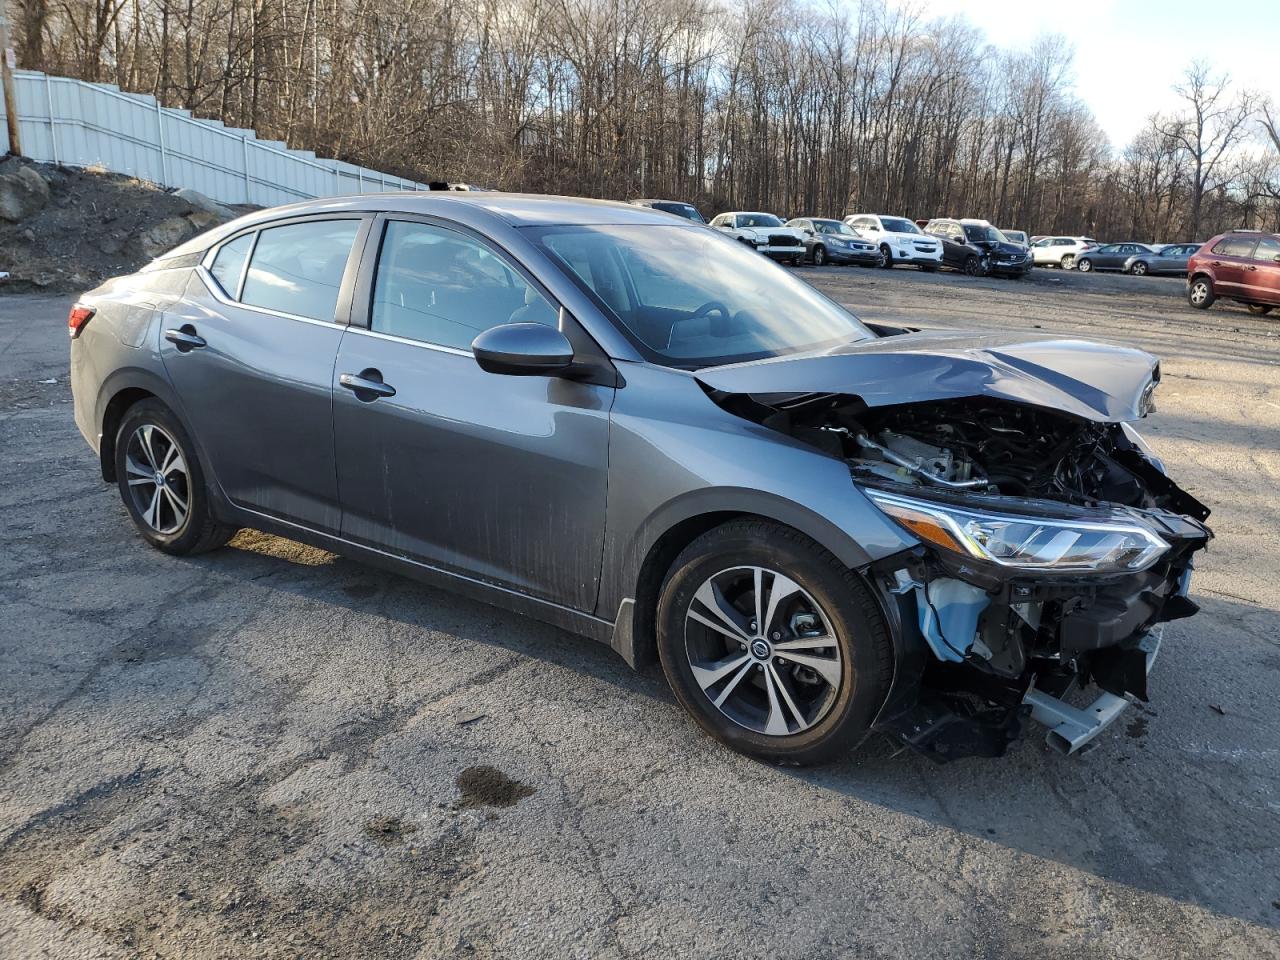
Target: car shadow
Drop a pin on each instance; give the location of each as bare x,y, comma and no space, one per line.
1177,795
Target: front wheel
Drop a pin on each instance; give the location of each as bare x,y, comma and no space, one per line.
1200,294
798,260
1139,269
773,645
162,483
1084,266
819,256
886,256
973,266
1258,309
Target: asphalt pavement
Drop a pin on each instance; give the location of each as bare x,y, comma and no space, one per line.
271,751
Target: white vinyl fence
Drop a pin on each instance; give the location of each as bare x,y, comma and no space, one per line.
81,124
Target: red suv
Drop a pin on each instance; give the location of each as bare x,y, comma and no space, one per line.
1241,265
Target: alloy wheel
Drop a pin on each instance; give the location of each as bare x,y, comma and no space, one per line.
763,650
1140,269
159,482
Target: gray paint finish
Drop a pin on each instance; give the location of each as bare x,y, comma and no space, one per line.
544,494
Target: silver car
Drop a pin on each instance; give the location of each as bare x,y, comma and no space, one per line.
1170,258
1111,256
639,430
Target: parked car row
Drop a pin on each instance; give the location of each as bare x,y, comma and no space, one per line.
1239,265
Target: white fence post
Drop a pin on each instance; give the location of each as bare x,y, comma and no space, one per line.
244,158
164,155
53,129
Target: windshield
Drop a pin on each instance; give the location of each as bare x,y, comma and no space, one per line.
898,225
692,298
688,211
974,232
758,220
833,228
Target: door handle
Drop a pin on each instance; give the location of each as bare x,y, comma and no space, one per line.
367,385
185,338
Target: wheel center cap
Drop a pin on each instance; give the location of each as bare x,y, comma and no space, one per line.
159,479
760,649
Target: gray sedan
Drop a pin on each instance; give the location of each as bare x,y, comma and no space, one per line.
1111,256
1171,258
637,429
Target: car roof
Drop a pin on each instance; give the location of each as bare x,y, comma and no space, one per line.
514,209
683,203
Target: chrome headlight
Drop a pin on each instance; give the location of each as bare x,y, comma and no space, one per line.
1032,543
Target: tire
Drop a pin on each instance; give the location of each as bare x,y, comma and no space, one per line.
1084,265
152,441
886,256
973,266
1200,293
1139,269
798,260
1258,309
817,719
819,256
1068,262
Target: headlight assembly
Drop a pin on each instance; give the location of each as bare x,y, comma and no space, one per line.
1026,542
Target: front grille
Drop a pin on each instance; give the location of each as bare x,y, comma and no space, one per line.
926,247
782,240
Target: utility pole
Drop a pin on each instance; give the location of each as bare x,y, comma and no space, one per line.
7,63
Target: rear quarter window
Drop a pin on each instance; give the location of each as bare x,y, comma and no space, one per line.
228,264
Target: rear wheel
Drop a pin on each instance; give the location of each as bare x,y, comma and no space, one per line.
1068,261
775,647
1139,269
162,483
1084,265
1200,294
1258,309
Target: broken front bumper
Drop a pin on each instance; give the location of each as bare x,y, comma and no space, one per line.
1074,729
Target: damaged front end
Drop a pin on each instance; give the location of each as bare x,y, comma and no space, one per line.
1051,549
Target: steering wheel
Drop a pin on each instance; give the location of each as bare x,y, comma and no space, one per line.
711,306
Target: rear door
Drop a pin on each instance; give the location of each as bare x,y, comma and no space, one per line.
250,351
501,478
1230,258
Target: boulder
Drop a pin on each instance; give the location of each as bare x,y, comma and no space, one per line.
165,235
202,204
22,193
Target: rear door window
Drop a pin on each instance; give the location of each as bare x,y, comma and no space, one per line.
1235,247
297,268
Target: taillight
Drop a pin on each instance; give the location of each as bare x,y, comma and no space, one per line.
79,316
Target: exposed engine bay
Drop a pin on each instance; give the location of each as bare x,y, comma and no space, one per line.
1012,625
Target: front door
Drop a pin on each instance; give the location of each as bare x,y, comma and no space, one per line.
250,353
501,478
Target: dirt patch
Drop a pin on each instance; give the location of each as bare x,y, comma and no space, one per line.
486,786
92,226
388,829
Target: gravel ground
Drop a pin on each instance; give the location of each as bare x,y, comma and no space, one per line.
271,751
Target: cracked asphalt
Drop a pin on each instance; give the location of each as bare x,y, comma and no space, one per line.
271,751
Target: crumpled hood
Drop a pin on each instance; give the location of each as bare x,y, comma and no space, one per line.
1094,381
996,246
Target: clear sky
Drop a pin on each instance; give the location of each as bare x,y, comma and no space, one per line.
1129,53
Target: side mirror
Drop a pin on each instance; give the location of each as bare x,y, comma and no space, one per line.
522,350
